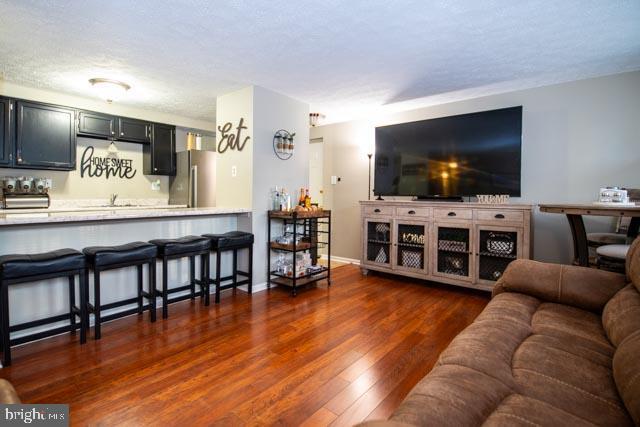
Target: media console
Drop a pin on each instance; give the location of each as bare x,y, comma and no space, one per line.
463,244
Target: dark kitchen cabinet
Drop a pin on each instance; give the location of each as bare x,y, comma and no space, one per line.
134,130
96,125
5,131
45,136
159,157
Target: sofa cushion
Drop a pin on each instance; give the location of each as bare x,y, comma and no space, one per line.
626,370
519,410
621,315
633,263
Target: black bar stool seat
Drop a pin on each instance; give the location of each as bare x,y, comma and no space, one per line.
232,241
24,268
135,254
184,247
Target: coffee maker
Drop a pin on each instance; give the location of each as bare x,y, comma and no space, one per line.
25,192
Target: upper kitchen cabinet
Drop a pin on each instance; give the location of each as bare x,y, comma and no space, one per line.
5,132
160,156
97,125
45,136
134,130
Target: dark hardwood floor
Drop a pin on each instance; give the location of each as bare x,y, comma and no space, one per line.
329,356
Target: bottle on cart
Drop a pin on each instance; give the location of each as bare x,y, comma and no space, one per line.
307,199
286,200
301,198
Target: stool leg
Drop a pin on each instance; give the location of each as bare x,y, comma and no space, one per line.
165,287
152,289
140,302
218,253
4,313
203,277
192,276
72,303
250,270
235,269
84,300
96,304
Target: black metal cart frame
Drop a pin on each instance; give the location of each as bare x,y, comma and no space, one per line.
307,226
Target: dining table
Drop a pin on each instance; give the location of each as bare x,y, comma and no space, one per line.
575,212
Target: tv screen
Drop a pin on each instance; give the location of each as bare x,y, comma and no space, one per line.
465,155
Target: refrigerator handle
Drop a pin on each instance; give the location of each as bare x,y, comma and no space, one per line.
194,194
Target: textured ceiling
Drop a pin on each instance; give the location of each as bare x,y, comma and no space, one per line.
339,56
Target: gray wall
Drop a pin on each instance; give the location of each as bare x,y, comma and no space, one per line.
577,137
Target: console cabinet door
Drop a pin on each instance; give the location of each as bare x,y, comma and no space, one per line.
378,238
452,249
496,248
5,132
411,240
45,136
134,130
96,125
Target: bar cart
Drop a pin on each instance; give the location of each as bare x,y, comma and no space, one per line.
303,233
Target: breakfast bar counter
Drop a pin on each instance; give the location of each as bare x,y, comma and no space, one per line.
35,231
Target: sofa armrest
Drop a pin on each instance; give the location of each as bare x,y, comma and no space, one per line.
8,394
582,287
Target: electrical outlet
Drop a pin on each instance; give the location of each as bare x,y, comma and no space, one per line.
155,185
234,171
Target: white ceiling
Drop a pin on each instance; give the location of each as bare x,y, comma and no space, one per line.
339,56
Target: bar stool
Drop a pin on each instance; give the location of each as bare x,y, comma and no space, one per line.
103,258
612,257
231,241
16,269
183,247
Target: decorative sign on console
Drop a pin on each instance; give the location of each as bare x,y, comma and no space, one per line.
230,140
94,166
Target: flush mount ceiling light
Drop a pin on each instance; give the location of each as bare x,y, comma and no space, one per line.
108,89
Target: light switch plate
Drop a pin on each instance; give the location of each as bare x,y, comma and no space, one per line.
155,185
234,171
334,180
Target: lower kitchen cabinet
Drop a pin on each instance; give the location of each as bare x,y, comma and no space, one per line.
45,136
159,157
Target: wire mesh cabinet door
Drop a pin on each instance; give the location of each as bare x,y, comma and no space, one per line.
451,246
377,241
410,246
495,248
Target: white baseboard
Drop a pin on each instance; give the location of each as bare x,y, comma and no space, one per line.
342,259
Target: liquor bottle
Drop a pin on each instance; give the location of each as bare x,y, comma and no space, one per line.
307,199
301,199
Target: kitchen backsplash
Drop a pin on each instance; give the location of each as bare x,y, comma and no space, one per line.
102,174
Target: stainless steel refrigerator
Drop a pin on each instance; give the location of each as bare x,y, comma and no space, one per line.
195,181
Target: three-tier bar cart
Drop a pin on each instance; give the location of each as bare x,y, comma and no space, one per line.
309,231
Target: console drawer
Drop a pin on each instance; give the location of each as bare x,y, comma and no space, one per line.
414,212
453,213
378,210
499,215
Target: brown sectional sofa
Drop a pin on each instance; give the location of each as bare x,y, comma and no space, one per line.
557,345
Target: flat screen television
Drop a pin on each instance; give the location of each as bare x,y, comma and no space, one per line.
464,155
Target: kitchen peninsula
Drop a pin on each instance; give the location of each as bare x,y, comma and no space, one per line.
40,230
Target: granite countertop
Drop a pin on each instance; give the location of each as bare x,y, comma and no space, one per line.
49,216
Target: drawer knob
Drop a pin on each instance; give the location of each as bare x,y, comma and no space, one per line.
376,210
411,212
499,216
451,214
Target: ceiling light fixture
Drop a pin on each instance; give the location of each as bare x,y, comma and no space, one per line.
108,89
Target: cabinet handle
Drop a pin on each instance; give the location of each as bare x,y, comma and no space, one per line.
376,210
451,214
155,169
113,133
121,133
411,212
499,216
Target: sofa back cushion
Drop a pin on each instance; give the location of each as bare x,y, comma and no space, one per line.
621,315
626,372
633,263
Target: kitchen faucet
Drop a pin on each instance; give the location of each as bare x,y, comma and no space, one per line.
112,199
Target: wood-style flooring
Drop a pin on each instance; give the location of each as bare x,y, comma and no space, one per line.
335,355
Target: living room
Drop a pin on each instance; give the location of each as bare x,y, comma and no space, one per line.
320,214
